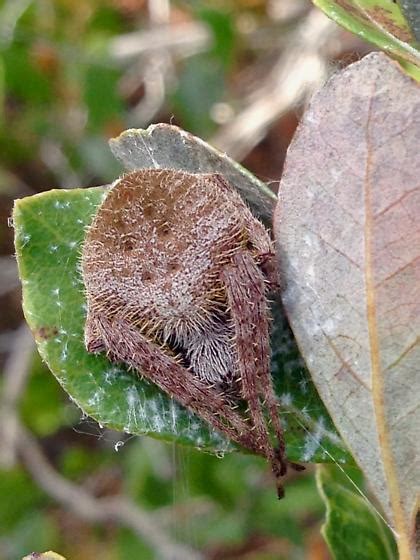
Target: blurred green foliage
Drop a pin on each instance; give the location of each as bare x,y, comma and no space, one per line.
42,410
60,83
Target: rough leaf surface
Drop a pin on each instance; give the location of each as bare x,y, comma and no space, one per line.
49,233
378,21
348,237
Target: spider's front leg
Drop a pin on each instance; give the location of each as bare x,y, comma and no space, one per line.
246,291
124,343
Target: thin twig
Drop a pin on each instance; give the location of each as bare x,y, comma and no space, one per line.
16,371
55,158
117,509
182,40
154,78
299,71
159,11
154,71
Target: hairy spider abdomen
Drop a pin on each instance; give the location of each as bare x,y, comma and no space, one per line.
154,255
159,240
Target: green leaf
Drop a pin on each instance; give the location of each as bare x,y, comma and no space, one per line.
50,229
378,21
353,529
49,233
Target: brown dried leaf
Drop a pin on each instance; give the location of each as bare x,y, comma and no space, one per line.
347,228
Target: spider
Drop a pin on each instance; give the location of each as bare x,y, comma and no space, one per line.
177,271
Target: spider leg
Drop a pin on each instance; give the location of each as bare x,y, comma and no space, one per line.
93,341
246,291
126,344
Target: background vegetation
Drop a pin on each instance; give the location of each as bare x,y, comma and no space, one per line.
72,75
